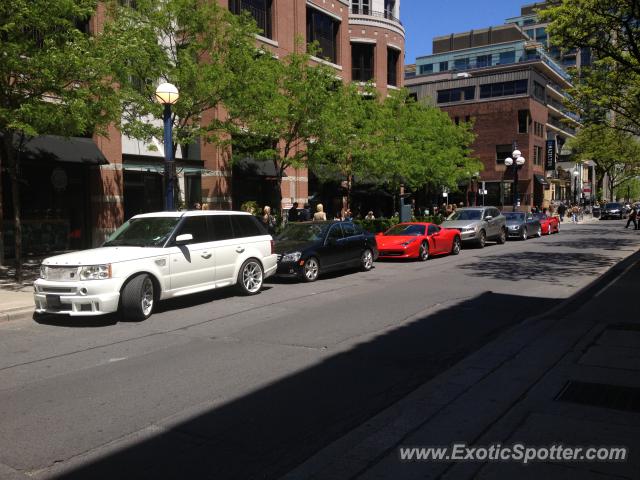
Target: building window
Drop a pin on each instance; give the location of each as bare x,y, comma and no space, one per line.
461,64
467,118
537,155
523,121
539,91
389,9
516,87
507,57
414,96
444,66
362,7
323,29
456,120
502,152
393,56
427,68
538,129
456,94
483,61
362,55
260,10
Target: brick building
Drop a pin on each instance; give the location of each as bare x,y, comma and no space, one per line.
125,177
512,88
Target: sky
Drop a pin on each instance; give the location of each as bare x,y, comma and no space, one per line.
425,19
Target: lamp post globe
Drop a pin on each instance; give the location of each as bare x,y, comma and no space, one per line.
520,161
167,94
508,161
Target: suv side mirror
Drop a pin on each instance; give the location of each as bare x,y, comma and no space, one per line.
184,239
488,217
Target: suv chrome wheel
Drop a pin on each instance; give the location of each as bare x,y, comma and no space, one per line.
251,277
147,297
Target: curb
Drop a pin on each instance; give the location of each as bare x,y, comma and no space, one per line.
20,313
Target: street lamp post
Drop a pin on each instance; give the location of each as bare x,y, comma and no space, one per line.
167,95
517,160
576,173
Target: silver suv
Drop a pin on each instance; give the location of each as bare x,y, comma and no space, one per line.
478,224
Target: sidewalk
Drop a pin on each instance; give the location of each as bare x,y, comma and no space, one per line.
16,300
569,377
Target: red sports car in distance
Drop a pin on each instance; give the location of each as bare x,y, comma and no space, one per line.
549,224
417,240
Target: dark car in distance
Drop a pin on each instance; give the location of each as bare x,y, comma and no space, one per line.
309,249
613,210
522,225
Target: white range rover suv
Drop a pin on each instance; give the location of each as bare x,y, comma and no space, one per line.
155,256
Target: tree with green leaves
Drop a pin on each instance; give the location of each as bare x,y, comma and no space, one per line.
55,78
349,126
616,154
610,30
205,51
276,113
422,146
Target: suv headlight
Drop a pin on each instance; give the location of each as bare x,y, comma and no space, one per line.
43,272
291,257
95,272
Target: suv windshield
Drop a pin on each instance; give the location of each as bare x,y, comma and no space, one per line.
143,232
405,230
517,216
613,205
310,232
466,215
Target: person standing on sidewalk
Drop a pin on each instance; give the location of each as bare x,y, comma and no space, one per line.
574,214
633,217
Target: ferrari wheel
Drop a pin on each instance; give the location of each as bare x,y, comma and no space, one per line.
423,252
455,248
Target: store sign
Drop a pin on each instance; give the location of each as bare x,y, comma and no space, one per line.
550,159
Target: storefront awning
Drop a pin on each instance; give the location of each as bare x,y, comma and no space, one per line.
256,168
62,149
141,163
540,179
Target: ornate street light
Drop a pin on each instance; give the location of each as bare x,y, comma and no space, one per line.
167,94
516,160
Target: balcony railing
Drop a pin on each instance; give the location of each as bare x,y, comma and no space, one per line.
559,106
357,10
562,126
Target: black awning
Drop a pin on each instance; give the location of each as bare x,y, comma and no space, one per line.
540,179
62,149
256,168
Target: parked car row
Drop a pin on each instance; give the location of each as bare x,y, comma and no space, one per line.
157,256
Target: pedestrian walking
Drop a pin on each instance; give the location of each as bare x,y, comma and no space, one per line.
320,215
370,216
268,220
574,213
562,209
633,217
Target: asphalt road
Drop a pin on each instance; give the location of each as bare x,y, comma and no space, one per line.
222,386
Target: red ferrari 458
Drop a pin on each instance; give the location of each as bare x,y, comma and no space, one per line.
418,240
549,224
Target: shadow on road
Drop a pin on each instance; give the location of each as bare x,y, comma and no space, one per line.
552,267
271,430
600,243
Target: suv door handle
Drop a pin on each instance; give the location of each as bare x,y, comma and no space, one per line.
206,255
239,249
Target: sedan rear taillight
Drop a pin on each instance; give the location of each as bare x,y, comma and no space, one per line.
273,247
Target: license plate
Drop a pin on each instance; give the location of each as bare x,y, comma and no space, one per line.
53,301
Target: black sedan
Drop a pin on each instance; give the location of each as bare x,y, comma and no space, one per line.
308,249
613,210
522,225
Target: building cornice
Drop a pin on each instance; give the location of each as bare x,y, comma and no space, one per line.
369,21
